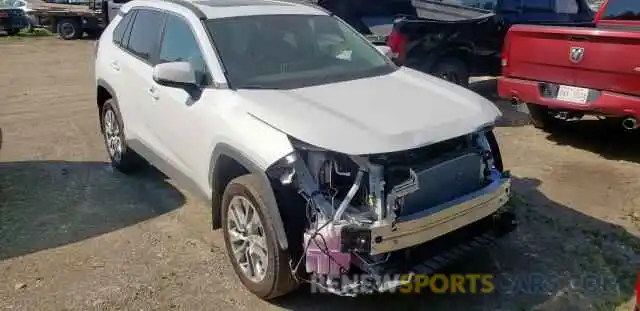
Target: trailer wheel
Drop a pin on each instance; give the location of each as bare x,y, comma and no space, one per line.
69,29
452,70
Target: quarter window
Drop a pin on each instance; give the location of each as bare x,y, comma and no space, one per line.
179,44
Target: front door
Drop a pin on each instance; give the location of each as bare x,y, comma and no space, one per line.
180,114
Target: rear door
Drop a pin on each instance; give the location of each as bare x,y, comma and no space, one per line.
136,66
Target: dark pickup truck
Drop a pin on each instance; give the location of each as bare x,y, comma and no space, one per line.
452,39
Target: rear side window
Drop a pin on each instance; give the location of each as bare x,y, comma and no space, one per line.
143,40
622,10
121,28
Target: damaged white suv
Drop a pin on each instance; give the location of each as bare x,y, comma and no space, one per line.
319,156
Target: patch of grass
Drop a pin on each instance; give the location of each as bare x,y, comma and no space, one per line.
36,32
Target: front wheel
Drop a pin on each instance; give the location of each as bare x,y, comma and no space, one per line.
250,239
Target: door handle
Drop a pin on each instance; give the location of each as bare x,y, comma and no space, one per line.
115,66
153,92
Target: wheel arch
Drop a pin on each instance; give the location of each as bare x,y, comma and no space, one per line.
460,51
227,163
104,92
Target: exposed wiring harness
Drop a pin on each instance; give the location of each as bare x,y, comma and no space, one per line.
311,213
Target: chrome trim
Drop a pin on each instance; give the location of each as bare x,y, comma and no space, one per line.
446,218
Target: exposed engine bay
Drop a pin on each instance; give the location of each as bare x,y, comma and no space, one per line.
361,209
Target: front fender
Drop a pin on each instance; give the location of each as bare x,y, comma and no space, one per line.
223,149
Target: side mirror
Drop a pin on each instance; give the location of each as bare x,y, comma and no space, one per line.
385,50
174,74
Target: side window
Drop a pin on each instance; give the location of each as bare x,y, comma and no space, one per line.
489,5
567,7
622,10
144,33
543,6
121,28
180,44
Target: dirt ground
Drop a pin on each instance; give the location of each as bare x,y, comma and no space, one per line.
75,235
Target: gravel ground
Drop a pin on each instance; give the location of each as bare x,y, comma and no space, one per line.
75,235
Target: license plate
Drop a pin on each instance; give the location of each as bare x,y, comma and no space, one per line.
572,94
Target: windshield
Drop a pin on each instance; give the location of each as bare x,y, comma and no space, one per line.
290,51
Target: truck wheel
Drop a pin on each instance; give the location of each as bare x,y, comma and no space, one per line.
123,158
250,239
452,70
540,117
13,32
69,29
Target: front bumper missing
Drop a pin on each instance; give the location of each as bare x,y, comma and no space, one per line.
431,257
438,221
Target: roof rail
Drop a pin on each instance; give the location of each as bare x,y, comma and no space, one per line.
189,5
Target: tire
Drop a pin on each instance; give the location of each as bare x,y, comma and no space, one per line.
93,33
540,117
13,32
277,278
452,70
123,158
69,29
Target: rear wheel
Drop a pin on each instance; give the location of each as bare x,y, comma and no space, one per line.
452,70
541,117
123,158
13,32
69,29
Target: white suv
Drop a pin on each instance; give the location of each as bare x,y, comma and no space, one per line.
319,156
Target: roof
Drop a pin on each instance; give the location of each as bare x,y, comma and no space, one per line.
228,8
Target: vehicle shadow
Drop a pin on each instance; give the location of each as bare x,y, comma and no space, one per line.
558,259
510,116
610,141
46,204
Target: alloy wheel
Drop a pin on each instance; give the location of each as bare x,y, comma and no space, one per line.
247,238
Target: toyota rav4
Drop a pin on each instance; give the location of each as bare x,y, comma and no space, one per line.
319,156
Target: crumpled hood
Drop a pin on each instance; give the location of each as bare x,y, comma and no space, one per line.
402,110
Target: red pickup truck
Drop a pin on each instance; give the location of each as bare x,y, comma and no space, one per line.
568,72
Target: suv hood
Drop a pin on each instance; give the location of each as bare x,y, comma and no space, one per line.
402,110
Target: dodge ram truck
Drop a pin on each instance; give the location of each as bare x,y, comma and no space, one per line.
565,73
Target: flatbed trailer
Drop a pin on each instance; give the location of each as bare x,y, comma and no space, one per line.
69,21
